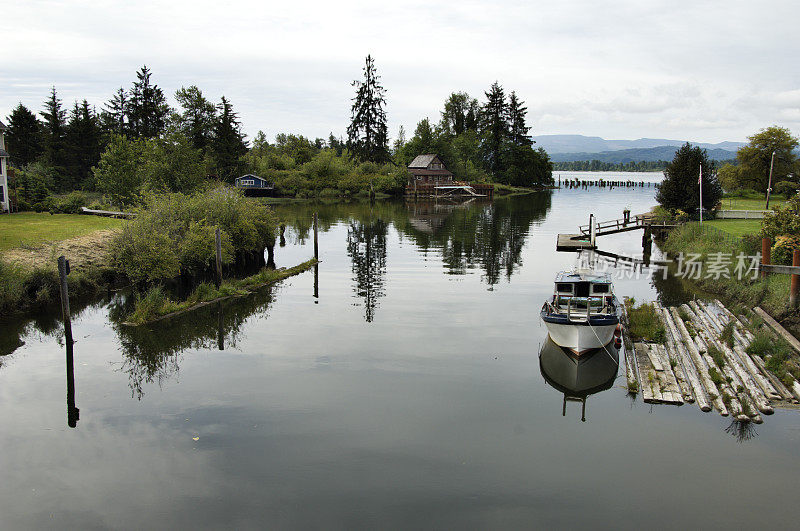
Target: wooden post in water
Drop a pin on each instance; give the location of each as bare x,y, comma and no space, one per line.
316,241
220,329
766,253
73,413
63,271
795,286
218,247
316,283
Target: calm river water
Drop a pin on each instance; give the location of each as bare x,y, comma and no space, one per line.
408,393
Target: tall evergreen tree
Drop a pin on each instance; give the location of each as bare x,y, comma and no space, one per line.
197,118
83,141
680,188
518,131
228,144
148,107
114,118
494,127
399,142
367,134
24,136
55,130
336,144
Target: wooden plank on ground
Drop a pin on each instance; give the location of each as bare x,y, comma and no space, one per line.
781,331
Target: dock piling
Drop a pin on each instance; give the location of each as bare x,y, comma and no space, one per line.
73,413
316,241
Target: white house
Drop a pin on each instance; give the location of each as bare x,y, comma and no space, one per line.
4,200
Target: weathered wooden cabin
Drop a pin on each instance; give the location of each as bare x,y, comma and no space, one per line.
428,169
254,185
427,176
5,202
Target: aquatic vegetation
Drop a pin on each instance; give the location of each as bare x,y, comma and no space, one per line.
644,323
155,304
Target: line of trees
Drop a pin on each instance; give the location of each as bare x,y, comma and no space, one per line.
137,143
62,151
599,165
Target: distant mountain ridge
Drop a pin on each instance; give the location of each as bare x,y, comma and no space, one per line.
580,144
623,156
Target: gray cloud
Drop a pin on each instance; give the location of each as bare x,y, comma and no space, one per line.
624,69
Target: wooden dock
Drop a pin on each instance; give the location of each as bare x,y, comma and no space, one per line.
704,360
614,226
573,242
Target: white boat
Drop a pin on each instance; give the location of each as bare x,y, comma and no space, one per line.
583,312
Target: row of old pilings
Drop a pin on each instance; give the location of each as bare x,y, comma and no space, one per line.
704,357
601,183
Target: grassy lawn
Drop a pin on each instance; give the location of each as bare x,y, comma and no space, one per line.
739,203
30,228
737,227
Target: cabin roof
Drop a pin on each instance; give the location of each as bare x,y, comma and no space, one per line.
3,127
422,161
583,276
250,176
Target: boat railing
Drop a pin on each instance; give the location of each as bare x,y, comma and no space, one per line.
581,308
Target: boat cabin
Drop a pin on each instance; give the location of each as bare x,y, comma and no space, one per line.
571,284
588,292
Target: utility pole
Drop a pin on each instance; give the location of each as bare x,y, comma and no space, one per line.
769,185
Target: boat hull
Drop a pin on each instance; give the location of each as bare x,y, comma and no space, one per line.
580,338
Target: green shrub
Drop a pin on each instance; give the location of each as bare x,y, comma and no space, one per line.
783,249
174,233
786,188
68,204
645,324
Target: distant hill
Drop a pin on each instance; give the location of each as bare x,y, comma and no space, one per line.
574,144
635,155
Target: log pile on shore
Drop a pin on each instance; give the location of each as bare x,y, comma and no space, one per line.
704,360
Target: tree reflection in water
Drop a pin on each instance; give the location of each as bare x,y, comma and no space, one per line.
478,233
366,246
152,353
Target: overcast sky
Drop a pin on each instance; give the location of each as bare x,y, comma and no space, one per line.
702,71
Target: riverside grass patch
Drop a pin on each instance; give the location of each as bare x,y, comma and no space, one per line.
22,288
770,292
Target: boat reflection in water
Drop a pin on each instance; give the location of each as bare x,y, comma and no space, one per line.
578,376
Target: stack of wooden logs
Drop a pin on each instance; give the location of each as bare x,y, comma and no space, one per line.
682,370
